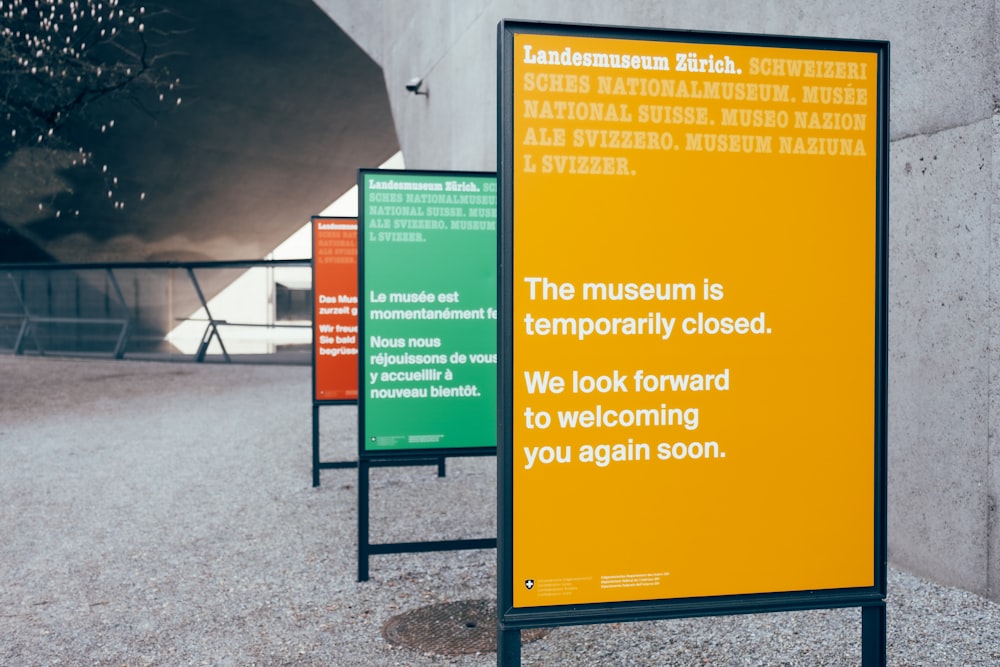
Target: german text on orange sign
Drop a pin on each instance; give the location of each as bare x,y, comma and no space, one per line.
335,291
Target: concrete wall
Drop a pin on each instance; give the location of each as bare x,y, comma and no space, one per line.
944,456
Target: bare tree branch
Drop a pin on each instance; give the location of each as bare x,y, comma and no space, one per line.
59,57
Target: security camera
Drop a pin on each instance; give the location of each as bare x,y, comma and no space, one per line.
413,85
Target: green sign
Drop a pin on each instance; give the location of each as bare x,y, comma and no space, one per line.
428,321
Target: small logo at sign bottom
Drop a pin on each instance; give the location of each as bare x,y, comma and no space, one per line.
529,583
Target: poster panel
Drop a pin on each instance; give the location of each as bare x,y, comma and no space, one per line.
335,309
694,226
429,316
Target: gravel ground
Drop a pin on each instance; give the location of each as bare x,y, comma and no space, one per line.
163,514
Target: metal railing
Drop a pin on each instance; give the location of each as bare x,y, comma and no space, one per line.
194,311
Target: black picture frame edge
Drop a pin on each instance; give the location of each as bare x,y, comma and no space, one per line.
508,616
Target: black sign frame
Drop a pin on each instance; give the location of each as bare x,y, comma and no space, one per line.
511,620
317,403
410,453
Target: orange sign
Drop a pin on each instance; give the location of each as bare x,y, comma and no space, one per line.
335,308
693,318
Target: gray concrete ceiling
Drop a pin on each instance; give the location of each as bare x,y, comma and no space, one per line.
279,109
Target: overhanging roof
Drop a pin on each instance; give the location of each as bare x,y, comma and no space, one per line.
279,110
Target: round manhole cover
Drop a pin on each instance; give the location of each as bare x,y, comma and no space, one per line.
451,628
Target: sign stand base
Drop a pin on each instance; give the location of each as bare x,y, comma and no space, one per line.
366,549
873,642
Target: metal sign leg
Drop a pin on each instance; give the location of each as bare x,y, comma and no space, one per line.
873,647
508,647
315,447
363,520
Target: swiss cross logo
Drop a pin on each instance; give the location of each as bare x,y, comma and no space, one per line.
529,583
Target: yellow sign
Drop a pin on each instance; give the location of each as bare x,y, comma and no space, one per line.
694,308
